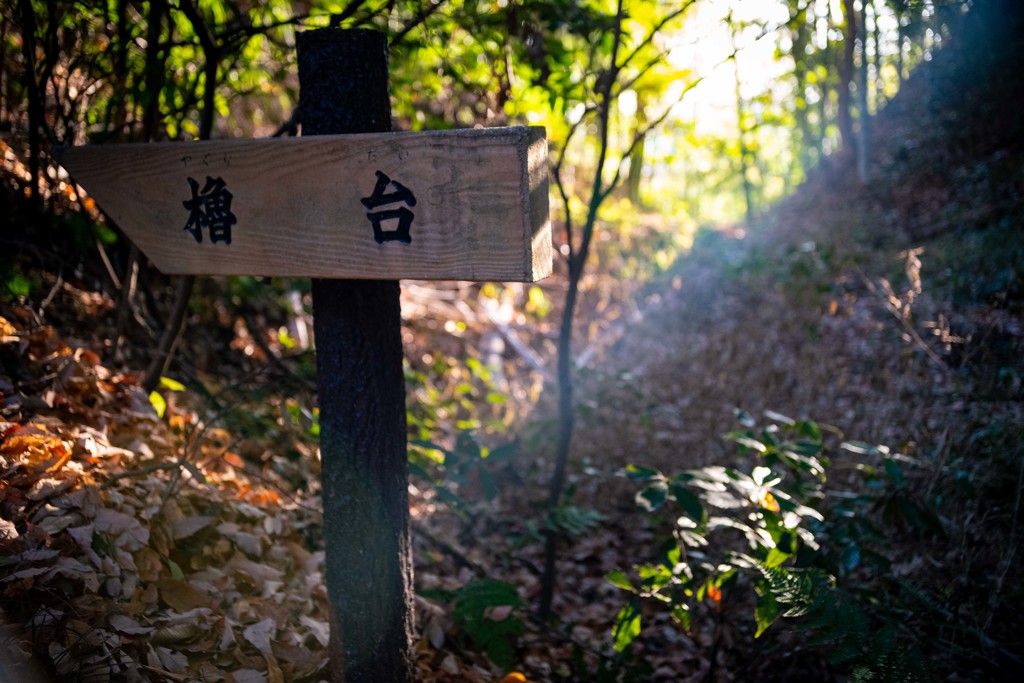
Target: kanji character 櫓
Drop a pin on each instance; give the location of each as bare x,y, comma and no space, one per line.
210,209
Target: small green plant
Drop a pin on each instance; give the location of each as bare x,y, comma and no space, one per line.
623,667
770,525
460,472
571,520
447,396
485,613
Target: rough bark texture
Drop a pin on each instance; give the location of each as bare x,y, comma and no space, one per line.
344,81
343,75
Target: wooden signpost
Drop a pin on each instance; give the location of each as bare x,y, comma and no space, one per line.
356,208
443,205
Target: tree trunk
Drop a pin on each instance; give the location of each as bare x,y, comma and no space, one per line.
741,123
343,78
636,157
807,145
577,263
172,332
35,105
183,293
863,113
154,75
844,116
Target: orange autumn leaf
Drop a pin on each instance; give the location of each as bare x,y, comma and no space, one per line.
263,497
514,677
38,452
715,593
234,460
768,502
88,357
179,422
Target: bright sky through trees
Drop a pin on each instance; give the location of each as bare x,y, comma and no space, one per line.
708,44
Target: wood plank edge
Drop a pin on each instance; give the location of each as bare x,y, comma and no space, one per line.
537,221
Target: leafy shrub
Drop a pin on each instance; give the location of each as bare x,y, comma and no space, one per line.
771,525
454,472
484,611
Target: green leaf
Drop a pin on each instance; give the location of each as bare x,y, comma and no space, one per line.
775,558
487,485
749,442
627,626
862,448
573,520
655,577
618,578
850,557
176,572
803,463
766,611
745,419
503,452
638,473
18,285
810,429
429,445
285,339
894,472
418,470
652,497
681,614
495,635
780,418
173,385
760,476
688,501
466,443
158,403
804,447
453,500
477,596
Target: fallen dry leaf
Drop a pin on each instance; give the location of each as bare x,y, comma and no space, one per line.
180,596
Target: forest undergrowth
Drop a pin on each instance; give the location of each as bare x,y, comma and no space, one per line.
854,360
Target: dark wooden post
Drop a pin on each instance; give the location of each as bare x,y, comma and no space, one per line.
343,75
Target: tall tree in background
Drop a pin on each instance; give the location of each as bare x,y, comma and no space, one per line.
747,159
863,85
800,32
616,61
845,68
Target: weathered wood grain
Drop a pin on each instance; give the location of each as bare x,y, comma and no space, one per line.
480,213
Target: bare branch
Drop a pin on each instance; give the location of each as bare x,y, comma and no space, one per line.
640,134
655,30
556,172
291,125
426,10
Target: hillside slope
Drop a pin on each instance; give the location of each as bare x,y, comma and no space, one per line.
892,310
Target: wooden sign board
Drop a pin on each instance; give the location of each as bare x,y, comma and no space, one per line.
444,205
